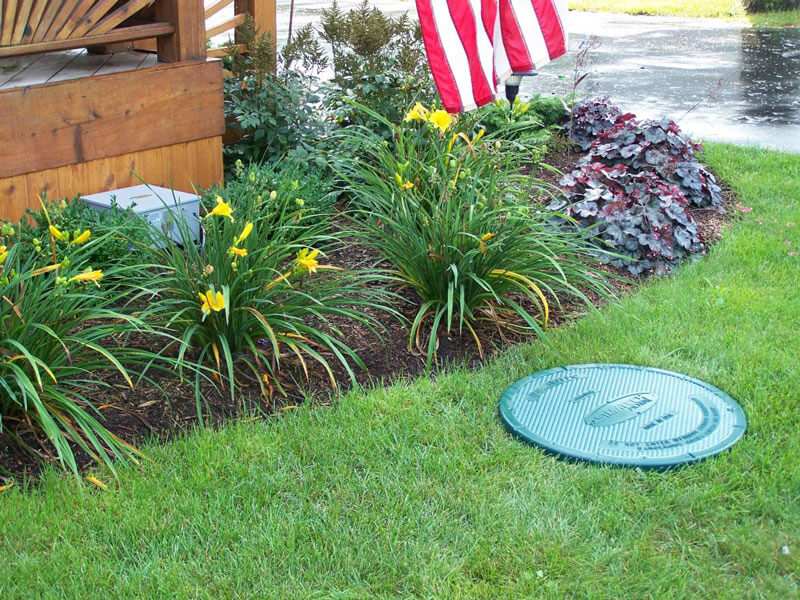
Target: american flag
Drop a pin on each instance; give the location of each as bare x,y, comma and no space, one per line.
474,45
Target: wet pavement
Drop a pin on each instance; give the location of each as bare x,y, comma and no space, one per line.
307,11
720,80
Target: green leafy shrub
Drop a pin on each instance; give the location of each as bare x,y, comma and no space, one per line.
449,209
552,111
273,117
274,103
60,331
257,295
270,108
530,123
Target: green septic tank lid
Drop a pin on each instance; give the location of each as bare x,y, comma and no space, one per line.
623,415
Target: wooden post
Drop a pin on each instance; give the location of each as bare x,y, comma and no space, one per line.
264,15
189,40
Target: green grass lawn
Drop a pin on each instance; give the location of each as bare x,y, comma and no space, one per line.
417,490
787,18
724,9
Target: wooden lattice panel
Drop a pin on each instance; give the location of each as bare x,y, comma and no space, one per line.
35,21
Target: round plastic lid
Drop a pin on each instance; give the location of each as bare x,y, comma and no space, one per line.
623,415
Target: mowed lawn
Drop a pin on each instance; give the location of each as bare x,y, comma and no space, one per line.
723,9
417,490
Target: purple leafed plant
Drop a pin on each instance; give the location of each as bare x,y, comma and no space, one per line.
590,118
657,146
637,215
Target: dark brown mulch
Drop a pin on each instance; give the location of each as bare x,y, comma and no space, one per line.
165,408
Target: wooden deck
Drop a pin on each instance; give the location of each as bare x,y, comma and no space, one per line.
51,67
74,122
66,134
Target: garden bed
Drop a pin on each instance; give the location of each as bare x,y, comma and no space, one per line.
418,490
165,410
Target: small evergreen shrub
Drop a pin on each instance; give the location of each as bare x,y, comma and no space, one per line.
378,61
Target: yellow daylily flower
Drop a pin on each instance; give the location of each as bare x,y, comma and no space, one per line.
306,260
235,251
87,276
211,300
417,113
58,234
3,254
222,209
82,238
248,229
483,244
441,119
401,183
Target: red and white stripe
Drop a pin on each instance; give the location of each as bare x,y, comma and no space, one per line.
473,45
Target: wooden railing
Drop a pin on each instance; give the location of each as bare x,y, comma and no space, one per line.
263,13
34,26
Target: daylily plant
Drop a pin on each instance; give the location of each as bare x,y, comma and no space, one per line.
255,296
57,335
449,208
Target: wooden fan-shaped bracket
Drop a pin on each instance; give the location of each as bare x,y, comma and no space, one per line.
40,21
35,26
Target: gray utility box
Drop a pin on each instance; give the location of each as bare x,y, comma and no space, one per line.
159,206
